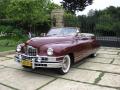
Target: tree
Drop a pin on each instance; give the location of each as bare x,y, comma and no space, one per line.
3,6
91,12
75,5
51,6
30,11
70,20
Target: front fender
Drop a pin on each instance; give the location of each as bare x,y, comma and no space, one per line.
59,49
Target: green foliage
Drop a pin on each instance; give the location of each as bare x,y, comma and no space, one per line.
30,11
70,20
4,48
12,33
108,20
104,22
3,6
8,42
52,6
31,15
116,28
75,5
18,17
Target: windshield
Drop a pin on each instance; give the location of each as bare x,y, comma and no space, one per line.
62,32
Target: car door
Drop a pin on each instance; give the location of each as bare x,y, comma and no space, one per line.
82,48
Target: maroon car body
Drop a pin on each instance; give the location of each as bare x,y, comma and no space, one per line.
53,50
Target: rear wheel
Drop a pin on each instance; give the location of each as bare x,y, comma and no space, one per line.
65,65
93,55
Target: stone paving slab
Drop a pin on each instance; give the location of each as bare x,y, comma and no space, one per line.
7,52
3,58
61,84
100,60
10,56
116,61
23,80
11,63
110,80
108,56
74,74
81,75
114,48
118,57
90,75
74,80
106,47
4,88
101,67
109,49
108,52
1,67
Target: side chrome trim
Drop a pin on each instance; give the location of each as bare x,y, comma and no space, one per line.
42,56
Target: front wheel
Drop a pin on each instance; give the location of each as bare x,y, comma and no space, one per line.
65,65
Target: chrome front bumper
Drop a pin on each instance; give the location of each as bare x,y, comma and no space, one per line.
41,61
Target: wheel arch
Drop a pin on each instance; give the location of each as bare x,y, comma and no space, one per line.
72,58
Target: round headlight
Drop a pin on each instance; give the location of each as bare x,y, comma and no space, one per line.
18,48
50,51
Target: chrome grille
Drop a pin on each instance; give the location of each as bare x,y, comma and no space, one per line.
31,51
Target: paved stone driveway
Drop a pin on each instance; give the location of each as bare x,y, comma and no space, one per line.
99,73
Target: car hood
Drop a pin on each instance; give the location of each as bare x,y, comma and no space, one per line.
39,41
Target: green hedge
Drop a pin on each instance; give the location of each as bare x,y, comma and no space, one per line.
11,36
10,32
8,43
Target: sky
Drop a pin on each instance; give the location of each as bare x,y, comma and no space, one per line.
97,5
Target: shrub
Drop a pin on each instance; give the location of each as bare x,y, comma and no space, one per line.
10,32
8,43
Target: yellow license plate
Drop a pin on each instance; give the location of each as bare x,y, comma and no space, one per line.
26,63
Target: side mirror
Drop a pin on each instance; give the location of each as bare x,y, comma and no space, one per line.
43,34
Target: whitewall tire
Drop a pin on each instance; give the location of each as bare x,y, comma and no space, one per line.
65,65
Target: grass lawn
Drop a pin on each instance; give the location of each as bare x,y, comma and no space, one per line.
2,48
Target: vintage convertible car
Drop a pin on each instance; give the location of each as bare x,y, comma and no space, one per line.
60,48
